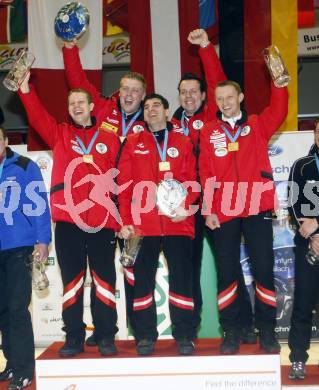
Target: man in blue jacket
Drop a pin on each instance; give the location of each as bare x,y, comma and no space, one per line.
25,230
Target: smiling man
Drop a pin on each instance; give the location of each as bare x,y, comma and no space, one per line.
234,153
122,116
149,157
91,151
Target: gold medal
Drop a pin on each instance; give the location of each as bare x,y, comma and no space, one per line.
164,166
233,146
88,158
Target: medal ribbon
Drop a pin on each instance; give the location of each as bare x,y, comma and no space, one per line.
229,136
87,150
184,120
162,152
1,166
125,128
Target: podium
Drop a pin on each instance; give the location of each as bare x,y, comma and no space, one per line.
165,370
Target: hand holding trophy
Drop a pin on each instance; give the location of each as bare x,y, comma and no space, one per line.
276,66
39,278
132,244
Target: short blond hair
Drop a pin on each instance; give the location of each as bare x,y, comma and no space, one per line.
135,76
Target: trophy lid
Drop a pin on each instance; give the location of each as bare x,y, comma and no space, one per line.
71,21
169,195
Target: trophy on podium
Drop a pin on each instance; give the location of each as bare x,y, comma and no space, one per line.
276,66
19,70
71,21
130,251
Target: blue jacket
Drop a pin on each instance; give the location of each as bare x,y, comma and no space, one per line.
24,211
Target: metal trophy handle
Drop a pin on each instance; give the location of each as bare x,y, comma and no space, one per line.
19,70
276,66
71,21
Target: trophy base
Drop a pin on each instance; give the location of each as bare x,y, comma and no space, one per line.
282,81
11,85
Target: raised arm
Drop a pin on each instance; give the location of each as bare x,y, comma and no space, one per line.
44,124
214,72
75,74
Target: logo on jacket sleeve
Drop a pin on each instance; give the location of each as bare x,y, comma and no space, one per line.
101,148
173,152
137,129
221,152
198,124
245,131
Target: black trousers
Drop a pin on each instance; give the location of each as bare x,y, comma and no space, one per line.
142,311
258,235
73,247
15,319
305,299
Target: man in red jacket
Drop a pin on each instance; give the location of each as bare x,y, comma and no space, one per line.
236,178
147,158
85,215
194,112
122,116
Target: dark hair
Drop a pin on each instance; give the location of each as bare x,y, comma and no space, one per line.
232,83
81,90
4,133
156,96
192,76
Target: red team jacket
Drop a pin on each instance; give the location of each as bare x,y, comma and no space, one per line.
213,74
139,162
106,110
87,183
240,174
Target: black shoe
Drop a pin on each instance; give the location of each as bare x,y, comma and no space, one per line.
6,374
297,370
185,347
71,347
19,383
268,341
248,335
107,347
145,347
91,341
230,344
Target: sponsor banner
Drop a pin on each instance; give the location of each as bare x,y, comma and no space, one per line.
284,149
116,50
308,41
9,54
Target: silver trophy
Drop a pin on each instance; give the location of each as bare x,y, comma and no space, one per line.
71,21
170,194
40,280
19,70
276,66
130,251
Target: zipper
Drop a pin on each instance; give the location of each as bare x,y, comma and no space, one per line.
158,178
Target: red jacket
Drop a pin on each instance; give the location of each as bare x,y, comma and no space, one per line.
66,188
213,74
241,173
106,110
139,162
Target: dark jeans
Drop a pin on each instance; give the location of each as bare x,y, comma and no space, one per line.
15,319
305,299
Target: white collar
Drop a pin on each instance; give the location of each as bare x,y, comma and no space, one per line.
232,121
